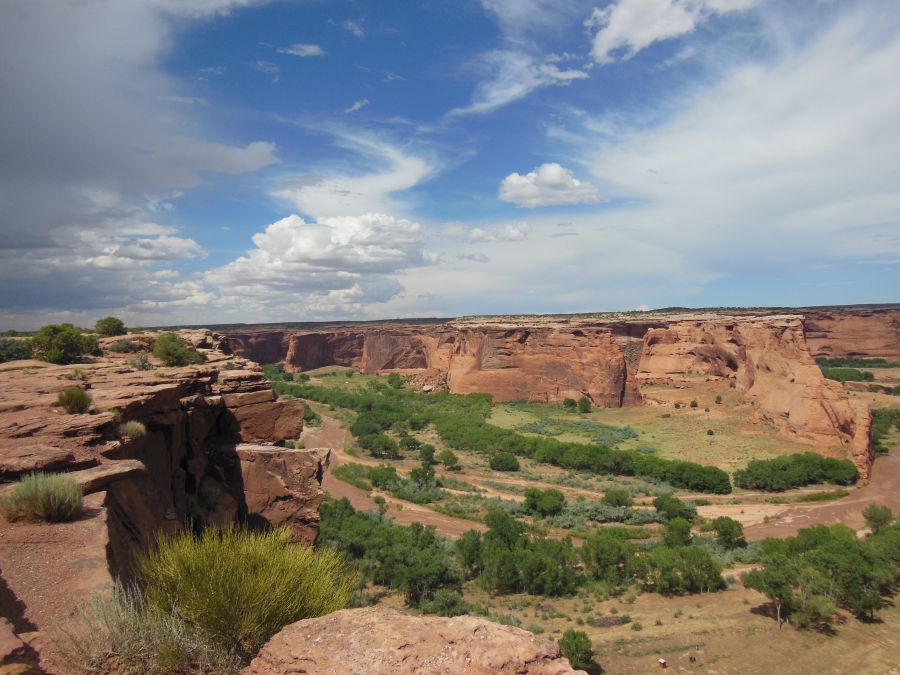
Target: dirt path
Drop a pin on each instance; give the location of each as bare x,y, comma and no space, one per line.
883,489
331,435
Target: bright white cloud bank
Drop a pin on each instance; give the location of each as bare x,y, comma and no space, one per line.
628,26
548,185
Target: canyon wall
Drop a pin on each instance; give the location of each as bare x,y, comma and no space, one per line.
206,457
860,332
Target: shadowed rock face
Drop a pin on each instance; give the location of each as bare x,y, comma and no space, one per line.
202,458
380,641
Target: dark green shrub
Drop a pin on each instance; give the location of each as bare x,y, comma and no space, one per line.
729,532
577,647
584,404
797,470
718,399
617,497
141,362
172,351
240,586
543,502
110,326
677,532
62,343
449,459
848,375
49,497
570,404
74,400
504,461
446,602
124,347
672,508
877,517
14,350
694,404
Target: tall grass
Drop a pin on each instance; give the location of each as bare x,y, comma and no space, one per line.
74,400
125,634
241,587
43,496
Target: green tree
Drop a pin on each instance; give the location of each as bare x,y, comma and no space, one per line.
729,532
584,404
395,381
449,459
672,507
677,532
570,404
62,343
110,326
468,551
426,453
14,350
504,461
172,351
577,647
544,502
607,557
877,517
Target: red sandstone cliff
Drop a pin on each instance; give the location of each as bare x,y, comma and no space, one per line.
862,332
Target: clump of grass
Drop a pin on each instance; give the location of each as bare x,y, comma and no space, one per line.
241,587
141,362
74,400
76,374
125,634
132,430
51,497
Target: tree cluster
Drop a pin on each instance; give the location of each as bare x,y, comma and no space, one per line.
790,471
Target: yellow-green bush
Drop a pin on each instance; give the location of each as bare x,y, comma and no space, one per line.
74,400
241,586
132,430
43,496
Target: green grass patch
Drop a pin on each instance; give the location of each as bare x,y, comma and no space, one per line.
825,496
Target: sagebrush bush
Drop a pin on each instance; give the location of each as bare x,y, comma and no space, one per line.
74,400
14,350
124,634
123,347
240,586
141,362
132,430
49,497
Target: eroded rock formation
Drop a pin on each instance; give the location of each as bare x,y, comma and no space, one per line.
862,332
380,641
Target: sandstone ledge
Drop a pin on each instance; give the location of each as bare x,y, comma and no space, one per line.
376,641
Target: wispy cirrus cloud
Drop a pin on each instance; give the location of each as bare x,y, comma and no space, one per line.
302,50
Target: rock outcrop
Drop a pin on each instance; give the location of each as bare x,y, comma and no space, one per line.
194,462
769,361
378,641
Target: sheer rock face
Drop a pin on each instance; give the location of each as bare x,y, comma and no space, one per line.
769,360
187,467
860,332
379,641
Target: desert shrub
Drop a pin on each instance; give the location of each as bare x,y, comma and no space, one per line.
449,459
241,587
124,634
877,517
394,380
718,399
51,497
617,497
504,461
132,430
172,351
570,404
446,602
311,417
74,400
789,471
577,647
729,532
14,350
141,362
677,532
124,347
62,343
544,502
882,421
584,404
710,432
694,403
672,507
110,326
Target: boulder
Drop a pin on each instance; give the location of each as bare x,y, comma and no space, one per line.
380,641
283,487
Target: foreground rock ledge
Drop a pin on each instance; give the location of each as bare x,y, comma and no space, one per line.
374,640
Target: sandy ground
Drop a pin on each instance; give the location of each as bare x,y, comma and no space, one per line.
331,435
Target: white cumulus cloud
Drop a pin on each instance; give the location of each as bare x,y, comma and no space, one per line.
548,185
628,26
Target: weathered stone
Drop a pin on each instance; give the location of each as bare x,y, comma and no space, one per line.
378,641
17,461
283,487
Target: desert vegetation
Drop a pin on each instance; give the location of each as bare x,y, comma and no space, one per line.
782,473
172,351
74,400
62,343
52,498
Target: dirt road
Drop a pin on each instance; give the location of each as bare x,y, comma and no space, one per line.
331,435
883,489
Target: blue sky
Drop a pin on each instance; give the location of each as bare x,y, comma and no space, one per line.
174,161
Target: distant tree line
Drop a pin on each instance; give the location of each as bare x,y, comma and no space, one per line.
797,470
